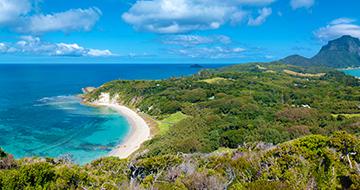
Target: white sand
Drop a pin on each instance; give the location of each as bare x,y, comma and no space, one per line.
140,131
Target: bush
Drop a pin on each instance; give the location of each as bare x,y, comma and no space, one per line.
274,136
297,114
233,138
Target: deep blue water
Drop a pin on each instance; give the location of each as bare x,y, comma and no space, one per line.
40,114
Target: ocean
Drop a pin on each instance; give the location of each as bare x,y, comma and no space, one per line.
353,72
40,114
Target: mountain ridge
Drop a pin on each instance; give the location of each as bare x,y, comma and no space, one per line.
342,52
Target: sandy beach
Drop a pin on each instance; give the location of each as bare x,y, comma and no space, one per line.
139,132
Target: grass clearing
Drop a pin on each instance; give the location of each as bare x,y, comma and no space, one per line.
348,116
216,80
303,74
169,121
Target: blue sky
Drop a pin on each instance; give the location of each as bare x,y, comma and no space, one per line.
170,31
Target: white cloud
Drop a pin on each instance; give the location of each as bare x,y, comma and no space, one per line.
139,55
71,20
11,10
3,48
269,57
179,16
196,46
296,4
35,46
63,49
338,28
165,16
238,16
254,2
217,52
99,53
343,20
18,15
263,14
193,40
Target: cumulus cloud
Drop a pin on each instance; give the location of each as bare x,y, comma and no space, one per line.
196,46
11,10
296,4
263,14
179,16
35,46
18,15
337,28
193,40
71,20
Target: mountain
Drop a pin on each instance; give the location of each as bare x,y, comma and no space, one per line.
339,53
296,60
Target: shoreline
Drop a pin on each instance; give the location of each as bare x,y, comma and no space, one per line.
349,69
139,129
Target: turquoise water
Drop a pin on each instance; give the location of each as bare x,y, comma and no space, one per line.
355,72
40,114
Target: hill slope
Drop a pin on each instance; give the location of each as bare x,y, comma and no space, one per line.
257,128
339,53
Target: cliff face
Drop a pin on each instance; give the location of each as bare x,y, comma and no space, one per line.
339,53
105,98
342,52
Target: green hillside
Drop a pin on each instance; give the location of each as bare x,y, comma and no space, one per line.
253,126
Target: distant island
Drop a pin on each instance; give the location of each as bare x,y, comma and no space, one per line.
196,66
288,124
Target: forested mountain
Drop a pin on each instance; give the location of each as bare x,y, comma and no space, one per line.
339,53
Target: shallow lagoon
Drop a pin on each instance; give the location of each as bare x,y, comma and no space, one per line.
40,114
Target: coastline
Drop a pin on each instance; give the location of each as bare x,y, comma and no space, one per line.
349,69
139,129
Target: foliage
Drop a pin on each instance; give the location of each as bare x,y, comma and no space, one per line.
170,120
241,103
310,162
256,128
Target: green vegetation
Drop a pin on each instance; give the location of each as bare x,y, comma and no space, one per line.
347,116
247,126
311,162
169,121
252,105
216,80
304,74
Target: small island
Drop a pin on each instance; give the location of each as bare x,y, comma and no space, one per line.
196,66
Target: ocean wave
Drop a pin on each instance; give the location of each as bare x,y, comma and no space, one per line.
60,99
71,104
65,102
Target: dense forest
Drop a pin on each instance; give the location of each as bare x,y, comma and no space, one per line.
253,126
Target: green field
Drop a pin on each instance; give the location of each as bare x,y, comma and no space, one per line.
215,80
169,121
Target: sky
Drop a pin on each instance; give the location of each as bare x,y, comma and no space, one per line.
170,31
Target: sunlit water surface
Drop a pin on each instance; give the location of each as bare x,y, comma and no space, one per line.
40,114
